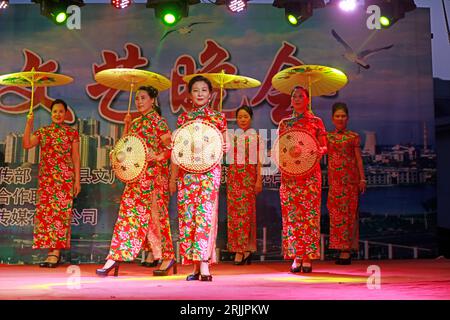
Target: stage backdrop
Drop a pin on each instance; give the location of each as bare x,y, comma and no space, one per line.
391,107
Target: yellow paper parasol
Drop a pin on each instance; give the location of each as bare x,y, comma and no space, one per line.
129,79
34,79
223,80
319,80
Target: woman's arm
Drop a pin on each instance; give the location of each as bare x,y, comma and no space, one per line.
29,140
359,163
173,178
76,167
166,140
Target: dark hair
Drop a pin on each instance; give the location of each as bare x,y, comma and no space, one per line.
198,79
339,106
152,93
246,109
58,101
301,88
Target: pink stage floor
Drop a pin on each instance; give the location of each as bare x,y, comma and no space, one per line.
400,279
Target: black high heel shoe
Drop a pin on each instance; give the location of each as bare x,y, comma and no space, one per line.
104,272
297,269
193,277
205,277
50,264
165,272
245,260
307,269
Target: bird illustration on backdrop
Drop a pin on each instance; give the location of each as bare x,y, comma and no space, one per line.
183,30
358,57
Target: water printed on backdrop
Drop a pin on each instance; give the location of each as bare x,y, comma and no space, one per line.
391,107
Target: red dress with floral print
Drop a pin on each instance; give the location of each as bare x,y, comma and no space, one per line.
343,193
198,198
55,192
300,198
142,212
241,192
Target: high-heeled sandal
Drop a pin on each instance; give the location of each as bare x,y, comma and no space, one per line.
46,264
103,272
165,272
205,277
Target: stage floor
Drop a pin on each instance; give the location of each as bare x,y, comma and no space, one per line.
399,279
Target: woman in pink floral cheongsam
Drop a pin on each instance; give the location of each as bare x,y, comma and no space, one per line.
198,193
143,213
346,181
59,182
300,196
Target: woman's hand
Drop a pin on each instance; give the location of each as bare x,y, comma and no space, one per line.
127,119
172,186
362,186
76,189
258,185
151,156
30,118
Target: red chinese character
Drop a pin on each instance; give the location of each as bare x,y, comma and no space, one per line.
213,60
32,60
280,101
132,59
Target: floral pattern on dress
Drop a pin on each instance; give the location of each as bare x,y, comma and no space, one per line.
301,198
55,191
198,197
142,212
343,193
241,192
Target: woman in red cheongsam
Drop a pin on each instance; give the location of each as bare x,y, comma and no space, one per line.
243,184
59,182
346,180
300,196
198,193
142,212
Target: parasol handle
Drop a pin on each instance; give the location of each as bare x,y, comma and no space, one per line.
131,96
32,92
310,94
221,94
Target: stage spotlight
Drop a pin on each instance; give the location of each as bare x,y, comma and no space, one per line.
297,11
236,5
121,4
392,10
4,4
347,5
56,10
171,11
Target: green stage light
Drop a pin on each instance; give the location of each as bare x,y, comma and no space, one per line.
385,22
392,11
298,11
292,19
169,18
60,17
56,10
171,11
